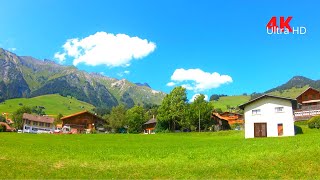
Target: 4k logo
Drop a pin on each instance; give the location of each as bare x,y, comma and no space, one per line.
285,28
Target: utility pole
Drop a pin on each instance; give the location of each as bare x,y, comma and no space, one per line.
199,120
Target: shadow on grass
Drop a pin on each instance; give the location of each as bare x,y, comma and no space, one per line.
298,130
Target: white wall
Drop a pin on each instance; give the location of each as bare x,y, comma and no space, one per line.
35,129
270,116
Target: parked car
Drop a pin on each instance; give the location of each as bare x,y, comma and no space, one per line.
19,131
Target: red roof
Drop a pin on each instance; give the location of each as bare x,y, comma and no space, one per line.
78,113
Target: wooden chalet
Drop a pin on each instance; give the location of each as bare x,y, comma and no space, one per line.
149,126
308,104
81,121
222,121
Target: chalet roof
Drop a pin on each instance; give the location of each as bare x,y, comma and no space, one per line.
227,118
151,121
265,96
306,91
36,118
79,113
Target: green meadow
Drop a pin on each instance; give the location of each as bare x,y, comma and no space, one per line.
53,104
211,155
232,101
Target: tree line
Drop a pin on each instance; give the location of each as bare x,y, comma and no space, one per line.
175,113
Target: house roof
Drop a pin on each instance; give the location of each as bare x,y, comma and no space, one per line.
224,113
151,121
264,96
227,118
8,128
32,117
307,90
78,113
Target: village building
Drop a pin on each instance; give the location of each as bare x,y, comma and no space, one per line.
149,126
230,117
82,122
37,124
7,127
308,104
269,116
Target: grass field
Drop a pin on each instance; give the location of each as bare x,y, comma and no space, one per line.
160,156
53,103
232,101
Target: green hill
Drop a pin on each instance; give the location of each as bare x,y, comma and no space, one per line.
290,93
53,104
232,101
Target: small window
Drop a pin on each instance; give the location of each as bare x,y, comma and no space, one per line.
314,96
256,111
35,123
41,124
47,124
279,109
305,97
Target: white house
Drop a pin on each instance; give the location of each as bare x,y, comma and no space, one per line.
269,116
37,124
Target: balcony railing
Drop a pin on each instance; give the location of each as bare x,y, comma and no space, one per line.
306,112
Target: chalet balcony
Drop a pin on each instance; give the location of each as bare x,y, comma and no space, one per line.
306,112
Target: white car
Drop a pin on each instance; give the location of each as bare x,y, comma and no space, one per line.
19,131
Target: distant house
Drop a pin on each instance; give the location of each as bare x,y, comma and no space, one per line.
149,126
82,121
8,128
308,104
36,124
269,116
231,118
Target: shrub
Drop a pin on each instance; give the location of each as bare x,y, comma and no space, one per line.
314,122
2,128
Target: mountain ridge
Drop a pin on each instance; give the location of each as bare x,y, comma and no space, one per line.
26,76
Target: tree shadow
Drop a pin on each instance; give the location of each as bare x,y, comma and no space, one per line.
298,130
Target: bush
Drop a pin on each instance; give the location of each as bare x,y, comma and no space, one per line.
2,128
314,122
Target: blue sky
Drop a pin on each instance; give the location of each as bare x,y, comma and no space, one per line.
183,42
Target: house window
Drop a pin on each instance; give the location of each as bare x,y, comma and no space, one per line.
35,123
305,97
279,109
314,96
256,111
28,122
41,124
47,124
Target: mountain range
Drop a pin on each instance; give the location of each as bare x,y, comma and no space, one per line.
25,76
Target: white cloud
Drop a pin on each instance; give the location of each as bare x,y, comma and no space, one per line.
12,49
198,80
126,72
194,97
120,74
104,48
171,84
60,57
